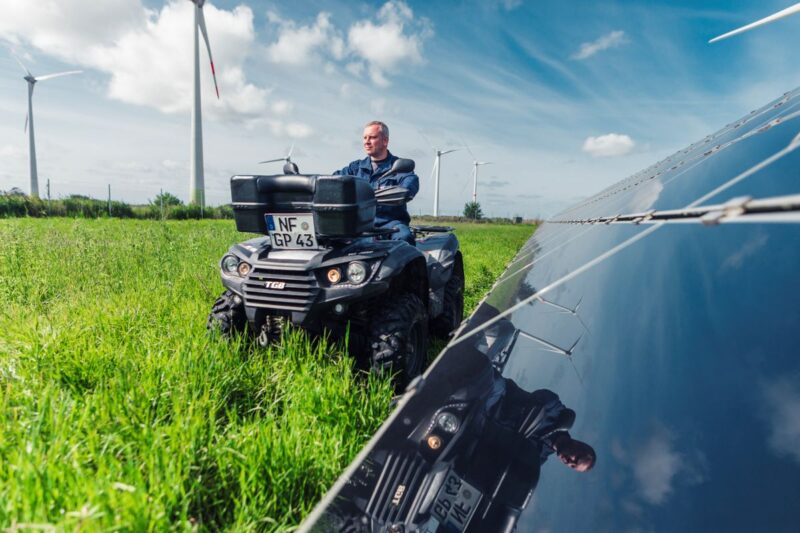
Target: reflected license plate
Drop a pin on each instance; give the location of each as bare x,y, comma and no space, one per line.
292,232
456,502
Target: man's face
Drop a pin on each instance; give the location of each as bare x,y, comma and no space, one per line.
375,144
577,456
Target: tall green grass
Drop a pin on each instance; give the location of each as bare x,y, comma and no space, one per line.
119,412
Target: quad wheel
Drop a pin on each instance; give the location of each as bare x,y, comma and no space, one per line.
453,309
398,338
227,315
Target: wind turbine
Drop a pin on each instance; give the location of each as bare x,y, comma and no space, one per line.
31,79
287,159
197,191
766,20
437,167
475,165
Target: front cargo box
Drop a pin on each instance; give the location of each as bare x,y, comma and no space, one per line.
341,205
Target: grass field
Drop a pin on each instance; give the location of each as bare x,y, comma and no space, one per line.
119,412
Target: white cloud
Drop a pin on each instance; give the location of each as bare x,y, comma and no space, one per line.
69,27
374,46
356,68
783,406
298,130
12,151
171,164
386,44
609,145
659,467
300,45
655,467
147,53
610,40
510,5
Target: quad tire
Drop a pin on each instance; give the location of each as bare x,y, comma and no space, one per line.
398,338
227,317
453,308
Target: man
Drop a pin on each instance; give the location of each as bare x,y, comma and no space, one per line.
371,168
542,419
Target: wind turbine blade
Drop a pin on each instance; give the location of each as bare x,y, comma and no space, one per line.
202,22
289,156
26,123
50,76
28,72
272,160
468,150
448,151
766,20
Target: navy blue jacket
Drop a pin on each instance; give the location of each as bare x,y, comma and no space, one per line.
363,169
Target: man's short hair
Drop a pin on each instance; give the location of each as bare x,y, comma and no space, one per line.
384,127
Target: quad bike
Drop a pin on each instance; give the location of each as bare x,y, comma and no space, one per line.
322,265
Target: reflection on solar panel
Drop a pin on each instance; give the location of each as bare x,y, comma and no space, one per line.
665,353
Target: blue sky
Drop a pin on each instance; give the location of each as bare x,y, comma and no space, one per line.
564,97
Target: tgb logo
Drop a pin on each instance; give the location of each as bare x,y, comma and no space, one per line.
398,495
280,285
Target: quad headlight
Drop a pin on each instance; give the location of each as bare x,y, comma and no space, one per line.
243,269
447,421
230,263
356,272
334,275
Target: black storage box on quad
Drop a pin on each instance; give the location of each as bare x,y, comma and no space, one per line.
342,205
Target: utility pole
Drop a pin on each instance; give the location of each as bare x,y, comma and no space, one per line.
109,200
48,190
161,197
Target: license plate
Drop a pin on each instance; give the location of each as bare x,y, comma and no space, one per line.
292,232
456,502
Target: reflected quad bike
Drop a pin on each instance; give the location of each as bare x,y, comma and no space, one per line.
322,265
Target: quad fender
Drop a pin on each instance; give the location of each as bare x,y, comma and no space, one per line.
406,269
444,257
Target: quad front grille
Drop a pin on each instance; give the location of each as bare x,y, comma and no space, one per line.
298,292
397,486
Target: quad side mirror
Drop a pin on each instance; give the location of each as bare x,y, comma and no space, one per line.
402,166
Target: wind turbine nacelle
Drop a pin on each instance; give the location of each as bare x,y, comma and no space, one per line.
199,3
341,205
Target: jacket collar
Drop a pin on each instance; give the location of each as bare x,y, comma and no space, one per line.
366,163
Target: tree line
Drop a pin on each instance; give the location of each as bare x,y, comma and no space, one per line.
15,203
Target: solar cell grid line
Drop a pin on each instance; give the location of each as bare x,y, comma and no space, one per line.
793,145
735,210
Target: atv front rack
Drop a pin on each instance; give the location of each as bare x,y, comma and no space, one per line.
431,229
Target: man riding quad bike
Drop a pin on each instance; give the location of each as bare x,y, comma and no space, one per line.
324,265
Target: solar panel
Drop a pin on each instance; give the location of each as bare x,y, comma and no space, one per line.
661,321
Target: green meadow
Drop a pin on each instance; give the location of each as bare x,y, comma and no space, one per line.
119,412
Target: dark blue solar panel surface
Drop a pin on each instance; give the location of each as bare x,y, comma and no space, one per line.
678,353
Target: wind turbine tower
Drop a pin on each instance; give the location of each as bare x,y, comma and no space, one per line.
475,165
437,167
197,191
31,79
